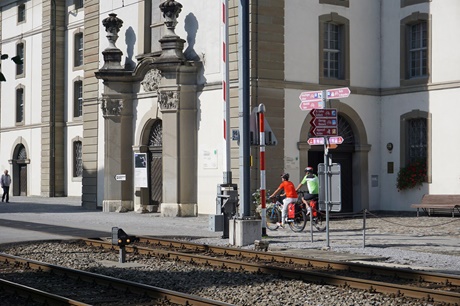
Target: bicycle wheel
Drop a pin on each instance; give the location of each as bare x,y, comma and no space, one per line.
319,224
272,217
299,222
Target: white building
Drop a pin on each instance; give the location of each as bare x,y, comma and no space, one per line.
72,118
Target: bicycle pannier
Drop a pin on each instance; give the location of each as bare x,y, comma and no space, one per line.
291,210
314,207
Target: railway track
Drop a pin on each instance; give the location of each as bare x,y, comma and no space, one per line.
426,286
89,288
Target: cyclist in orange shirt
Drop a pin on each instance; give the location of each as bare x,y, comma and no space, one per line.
289,192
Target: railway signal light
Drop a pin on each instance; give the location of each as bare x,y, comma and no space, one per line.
120,238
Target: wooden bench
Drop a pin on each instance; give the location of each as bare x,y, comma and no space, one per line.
432,202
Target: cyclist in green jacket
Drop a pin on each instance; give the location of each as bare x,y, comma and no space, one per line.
312,183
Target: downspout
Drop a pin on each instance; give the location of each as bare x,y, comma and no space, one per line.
53,100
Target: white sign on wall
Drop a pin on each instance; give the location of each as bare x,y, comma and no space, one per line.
210,159
140,170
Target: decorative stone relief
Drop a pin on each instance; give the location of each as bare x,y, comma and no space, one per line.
151,80
168,99
111,107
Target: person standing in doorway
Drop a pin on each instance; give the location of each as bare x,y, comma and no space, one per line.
5,182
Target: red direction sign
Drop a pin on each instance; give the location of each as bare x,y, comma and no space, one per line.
324,122
324,113
338,93
310,105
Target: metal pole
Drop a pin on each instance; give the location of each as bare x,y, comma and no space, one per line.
326,189
243,73
122,254
225,94
263,199
364,228
311,223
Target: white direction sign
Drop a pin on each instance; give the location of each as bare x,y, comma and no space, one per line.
314,99
320,140
338,93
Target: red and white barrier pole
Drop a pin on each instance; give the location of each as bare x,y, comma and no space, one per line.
263,199
225,93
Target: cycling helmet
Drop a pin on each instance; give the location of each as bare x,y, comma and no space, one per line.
285,176
309,169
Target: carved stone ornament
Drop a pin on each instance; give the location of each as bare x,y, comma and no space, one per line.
168,100
112,26
111,107
151,80
171,10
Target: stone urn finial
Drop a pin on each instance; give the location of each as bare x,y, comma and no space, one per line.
171,10
112,26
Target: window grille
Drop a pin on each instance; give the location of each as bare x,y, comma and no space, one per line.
156,134
78,160
22,154
20,54
20,105
78,99
417,139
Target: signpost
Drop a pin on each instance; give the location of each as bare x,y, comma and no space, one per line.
324,123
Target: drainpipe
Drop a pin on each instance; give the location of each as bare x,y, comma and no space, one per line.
53,100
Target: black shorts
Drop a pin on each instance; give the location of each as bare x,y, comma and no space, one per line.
309,196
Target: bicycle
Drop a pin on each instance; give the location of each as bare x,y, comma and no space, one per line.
273,215
317,215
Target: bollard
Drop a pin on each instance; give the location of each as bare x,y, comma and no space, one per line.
364,228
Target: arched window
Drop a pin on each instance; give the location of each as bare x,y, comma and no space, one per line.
156,134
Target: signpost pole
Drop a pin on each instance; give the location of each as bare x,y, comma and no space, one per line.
326,188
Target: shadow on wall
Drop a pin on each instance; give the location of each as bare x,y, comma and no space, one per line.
130,40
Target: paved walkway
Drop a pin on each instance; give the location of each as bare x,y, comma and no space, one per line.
40,218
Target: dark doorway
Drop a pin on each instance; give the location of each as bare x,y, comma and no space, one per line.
22,180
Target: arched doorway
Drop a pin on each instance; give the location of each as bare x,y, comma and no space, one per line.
20,162
352,155
155,145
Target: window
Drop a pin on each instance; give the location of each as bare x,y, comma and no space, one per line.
415,139
334,50
78,4
20,54
156,27
415,50
77,159
332,63
78,59
77,98
20,105
21,13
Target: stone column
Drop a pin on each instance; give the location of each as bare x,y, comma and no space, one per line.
118,123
